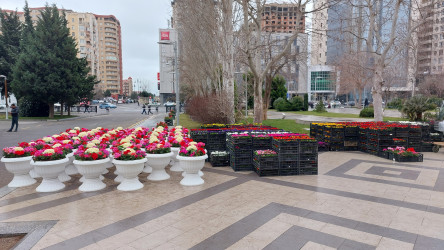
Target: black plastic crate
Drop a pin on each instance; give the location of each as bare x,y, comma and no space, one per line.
220,160
308,164
241,141
308,148
288,157
383,154
266,172
351,148
286,150
285,143
289,171
308,157
266,162
307,171
262,143
241,166
400,158
241,153
351,131
288,164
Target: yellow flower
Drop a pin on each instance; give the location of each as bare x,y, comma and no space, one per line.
90,145
193,143
126,145
130,150
66,141
18,149
178,127
119,128
75,138
95,141
158,145
99,128
47,139
82,134
49,151
92,150
64,133
112,132
138,129
125,140
72,131
57,145
191,147
76,128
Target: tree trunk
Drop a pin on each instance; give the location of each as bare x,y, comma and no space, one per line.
267,93
258,101
69,110
358,103
51,110
228,57
62,105
377,90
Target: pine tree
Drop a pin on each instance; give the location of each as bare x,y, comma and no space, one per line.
48,69
10,34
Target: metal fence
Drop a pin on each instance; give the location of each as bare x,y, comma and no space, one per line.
77,109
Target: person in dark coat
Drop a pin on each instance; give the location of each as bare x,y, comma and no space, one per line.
365,102
143,109
149,110
14,113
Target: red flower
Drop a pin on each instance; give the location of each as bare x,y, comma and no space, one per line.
94,156
411,150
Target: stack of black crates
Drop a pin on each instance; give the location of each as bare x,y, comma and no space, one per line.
334,136
241,152
266,165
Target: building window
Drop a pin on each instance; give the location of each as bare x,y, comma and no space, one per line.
73,34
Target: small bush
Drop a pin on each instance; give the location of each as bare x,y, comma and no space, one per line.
367,112
429,116
320,107
395,104
297,103
305,102
277,101
284,106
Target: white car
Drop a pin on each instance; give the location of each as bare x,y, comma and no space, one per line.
2,106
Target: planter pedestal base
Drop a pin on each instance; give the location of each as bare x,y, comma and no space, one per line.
64,176
33,174
200,173
71,170
192,180
158,175
82,179
50,185
90,185
147,169
21,181
130,184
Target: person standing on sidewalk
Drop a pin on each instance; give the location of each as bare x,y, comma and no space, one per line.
143,109
14,113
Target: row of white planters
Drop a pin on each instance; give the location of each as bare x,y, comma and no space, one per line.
54,172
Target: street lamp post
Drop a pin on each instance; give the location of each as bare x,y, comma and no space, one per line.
176,69
6,96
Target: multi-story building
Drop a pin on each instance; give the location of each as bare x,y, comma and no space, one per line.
127,87
279,22
167,79
98,38
282,18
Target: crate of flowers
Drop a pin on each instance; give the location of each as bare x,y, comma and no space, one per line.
219,158
242,139
261,141
426,146
401,154
265,159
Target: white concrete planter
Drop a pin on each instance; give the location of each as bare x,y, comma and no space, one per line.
20,168
91,171
50,170
33,174
70,168
191,167
175,167
158,162
129,170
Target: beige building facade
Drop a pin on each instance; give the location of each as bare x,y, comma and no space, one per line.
98,39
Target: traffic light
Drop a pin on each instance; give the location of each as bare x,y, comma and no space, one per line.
158,85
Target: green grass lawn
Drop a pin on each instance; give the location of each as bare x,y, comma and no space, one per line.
187,122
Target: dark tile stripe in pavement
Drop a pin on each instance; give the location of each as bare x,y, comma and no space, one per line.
400,173
53,203
341,171
141,218
34,231
411,205
36,195
232,234
296,237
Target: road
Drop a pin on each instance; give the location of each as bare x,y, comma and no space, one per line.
125,115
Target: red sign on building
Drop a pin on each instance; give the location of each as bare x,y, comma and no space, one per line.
158,76
164,35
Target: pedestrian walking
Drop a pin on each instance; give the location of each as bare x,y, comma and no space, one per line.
365,103
149,110
143,109
14,113
157,109
86,108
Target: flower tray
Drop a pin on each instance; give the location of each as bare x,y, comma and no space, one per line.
267,172
308,171
288,164
288,157
308,148
241,166
220,161
308,157
401,158
289,171
266,162
383,154
308,164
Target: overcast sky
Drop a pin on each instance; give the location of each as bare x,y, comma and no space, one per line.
139,20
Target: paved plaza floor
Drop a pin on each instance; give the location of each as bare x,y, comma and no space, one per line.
358,201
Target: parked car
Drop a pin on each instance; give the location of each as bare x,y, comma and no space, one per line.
94,101
169,104
120,101
335,104
2,106
107,105
351,103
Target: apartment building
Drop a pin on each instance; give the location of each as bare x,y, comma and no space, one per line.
127,86
282,18
98,39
